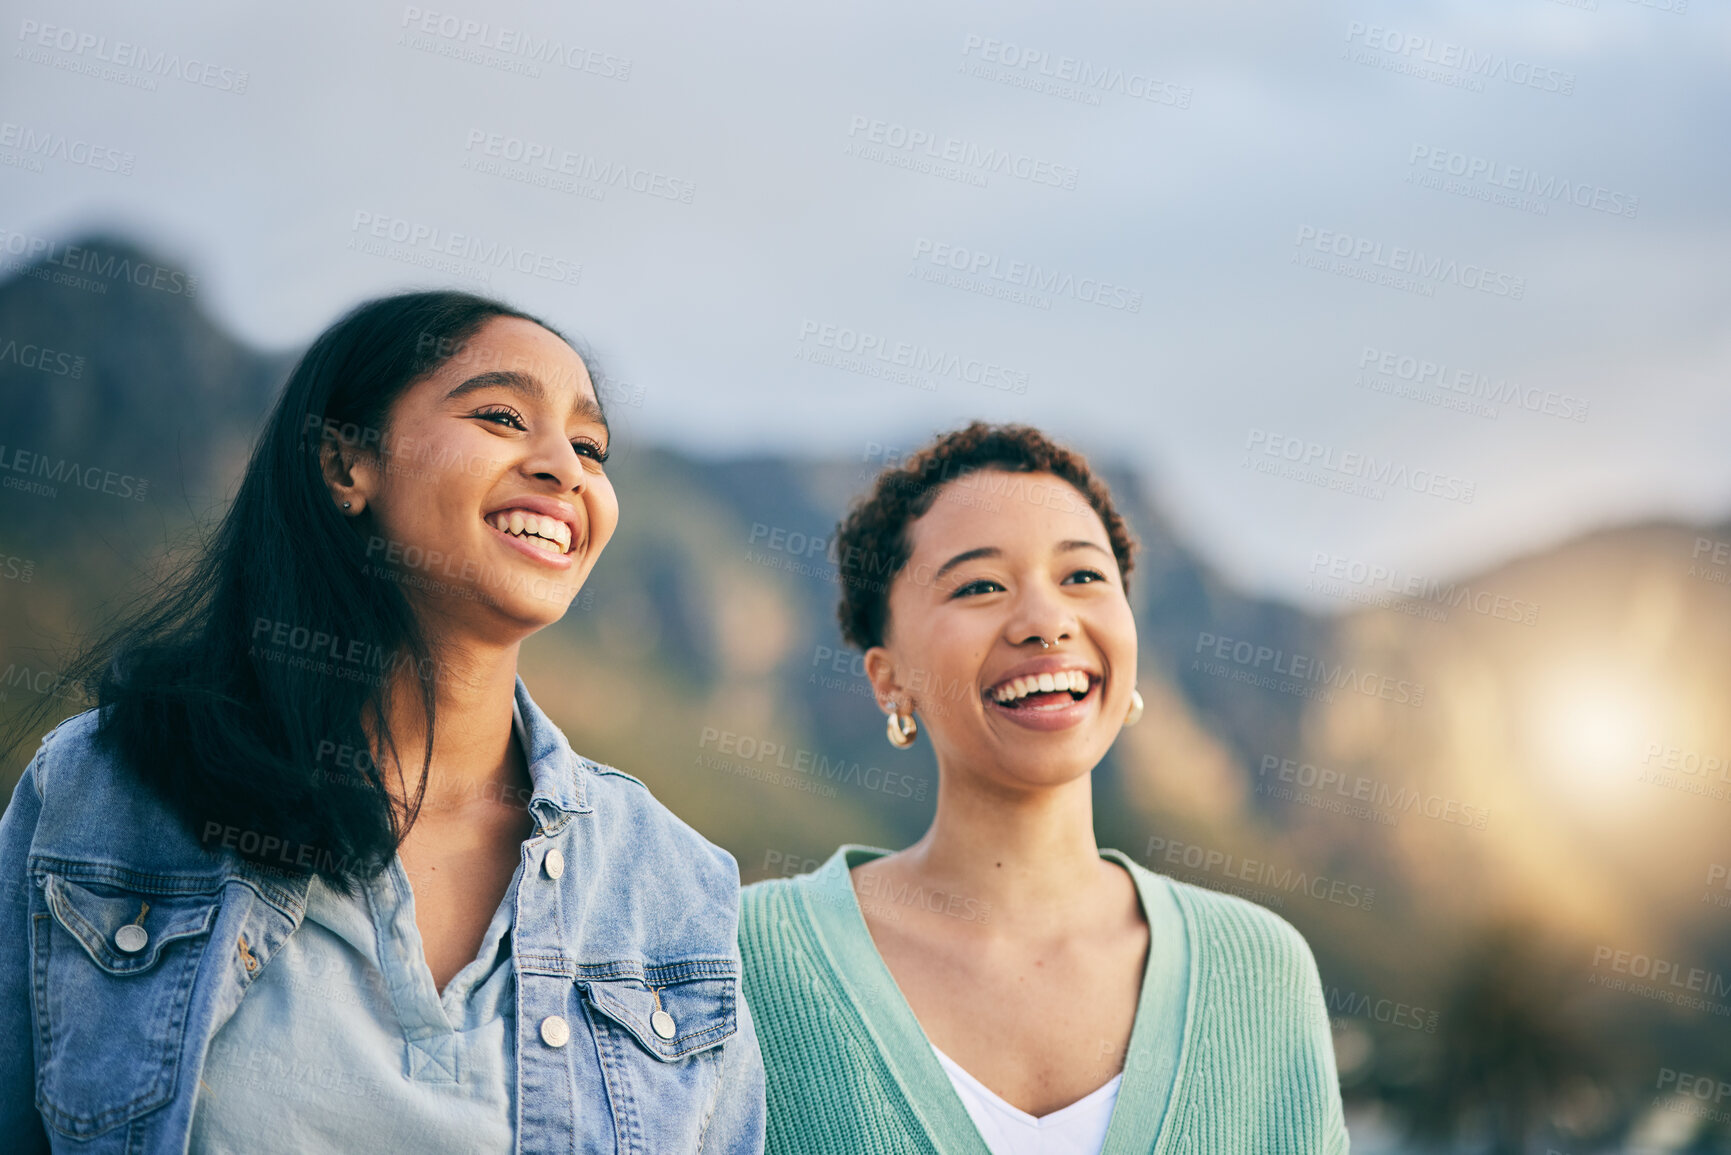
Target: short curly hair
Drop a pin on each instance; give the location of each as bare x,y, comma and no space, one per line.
871,544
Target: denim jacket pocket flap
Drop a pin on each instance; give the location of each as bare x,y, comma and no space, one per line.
111,1002
672,1020
96,921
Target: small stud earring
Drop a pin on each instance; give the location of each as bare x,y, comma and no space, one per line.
345,505
1134,715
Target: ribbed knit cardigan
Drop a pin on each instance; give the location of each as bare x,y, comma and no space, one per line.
1230,1052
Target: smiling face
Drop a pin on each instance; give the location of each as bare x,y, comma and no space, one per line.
487,499
986,578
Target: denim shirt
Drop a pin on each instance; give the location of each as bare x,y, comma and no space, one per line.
104,1032
347,1022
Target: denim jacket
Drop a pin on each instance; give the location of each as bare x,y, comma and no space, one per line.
102,1039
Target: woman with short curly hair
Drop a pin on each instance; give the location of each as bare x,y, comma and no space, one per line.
1003,985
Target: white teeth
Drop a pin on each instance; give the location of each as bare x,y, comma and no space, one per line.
548,532
1070,680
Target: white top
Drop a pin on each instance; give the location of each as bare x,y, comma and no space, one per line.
1079,1129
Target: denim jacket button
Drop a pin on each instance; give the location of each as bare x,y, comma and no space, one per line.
662,1023
131,938
555,1031
554,863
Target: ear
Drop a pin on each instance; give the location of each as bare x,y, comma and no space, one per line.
350,472
880,668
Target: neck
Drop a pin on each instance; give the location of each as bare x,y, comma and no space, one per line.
473,752
1022,849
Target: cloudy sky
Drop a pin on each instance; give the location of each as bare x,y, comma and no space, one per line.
1426,285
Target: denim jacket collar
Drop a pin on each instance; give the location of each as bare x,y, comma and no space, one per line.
556,770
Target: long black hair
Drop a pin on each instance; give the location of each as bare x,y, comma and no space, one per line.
252,693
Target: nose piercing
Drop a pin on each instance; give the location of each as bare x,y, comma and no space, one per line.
1044,644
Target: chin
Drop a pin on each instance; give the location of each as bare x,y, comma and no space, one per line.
1045,778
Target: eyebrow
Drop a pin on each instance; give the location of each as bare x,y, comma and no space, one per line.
966,555
994,551
585,407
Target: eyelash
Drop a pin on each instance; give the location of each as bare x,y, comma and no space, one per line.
515,420
964,591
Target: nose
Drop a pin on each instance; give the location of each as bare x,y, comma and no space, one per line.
1040,621
557,462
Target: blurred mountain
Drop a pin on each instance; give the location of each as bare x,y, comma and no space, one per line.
1404,780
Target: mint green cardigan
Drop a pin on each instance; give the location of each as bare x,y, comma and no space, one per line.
1230,1050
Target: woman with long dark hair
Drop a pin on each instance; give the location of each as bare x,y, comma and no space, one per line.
1004,986
317,874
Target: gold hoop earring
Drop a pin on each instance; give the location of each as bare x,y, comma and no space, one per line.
1135,714
901,729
